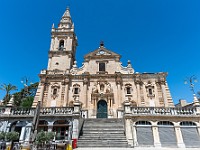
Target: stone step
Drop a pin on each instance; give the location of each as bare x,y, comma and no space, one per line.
104,125
107,136
102,145
103,133
103,140
102,130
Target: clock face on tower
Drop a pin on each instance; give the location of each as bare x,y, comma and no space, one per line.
101,52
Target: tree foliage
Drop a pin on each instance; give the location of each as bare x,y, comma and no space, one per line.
9,136
7,88
27,102
44,137
25,97
2,135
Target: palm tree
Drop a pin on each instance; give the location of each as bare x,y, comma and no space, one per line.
8,88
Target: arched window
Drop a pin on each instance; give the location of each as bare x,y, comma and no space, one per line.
61,128
144,133
143,123
187,123
76,89
55,91
190,134
42,125
61,45
167,123
128,89
167,134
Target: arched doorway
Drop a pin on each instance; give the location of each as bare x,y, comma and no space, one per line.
102,111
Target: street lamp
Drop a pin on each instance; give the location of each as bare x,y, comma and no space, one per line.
25,81
191,80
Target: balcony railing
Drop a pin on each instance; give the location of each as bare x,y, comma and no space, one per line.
56,110
31,111
162,111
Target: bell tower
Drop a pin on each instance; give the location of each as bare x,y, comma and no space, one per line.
63,44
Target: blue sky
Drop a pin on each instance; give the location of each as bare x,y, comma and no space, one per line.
156,35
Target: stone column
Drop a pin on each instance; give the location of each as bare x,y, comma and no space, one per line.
28,132
50,126
66,98
85,87
156,136
164,94
21,138
75,129
8,127
135,142
118,94
179,136
70,131
138,94
129,134
198,128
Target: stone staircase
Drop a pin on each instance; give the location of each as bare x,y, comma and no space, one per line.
103,133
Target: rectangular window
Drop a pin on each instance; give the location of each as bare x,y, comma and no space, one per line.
75,90
150,92
128,90
54,91
102,67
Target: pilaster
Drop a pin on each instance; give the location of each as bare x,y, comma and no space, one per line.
66,97
156,135
28,132
85,87
179,136
50,126
22,135
129,134
135,142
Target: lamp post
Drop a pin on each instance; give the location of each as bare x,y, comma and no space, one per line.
26,82
191,80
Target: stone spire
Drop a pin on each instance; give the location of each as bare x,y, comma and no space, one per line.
66,21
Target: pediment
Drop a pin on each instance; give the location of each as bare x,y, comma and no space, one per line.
102,52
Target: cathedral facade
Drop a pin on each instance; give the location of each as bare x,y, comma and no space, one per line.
101,103
101,85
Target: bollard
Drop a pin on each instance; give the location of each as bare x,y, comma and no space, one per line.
69,147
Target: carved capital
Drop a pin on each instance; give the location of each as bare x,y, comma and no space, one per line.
118,79
85,81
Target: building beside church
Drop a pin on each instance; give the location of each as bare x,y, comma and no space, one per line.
102,89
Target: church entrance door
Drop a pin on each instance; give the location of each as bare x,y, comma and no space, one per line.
102,109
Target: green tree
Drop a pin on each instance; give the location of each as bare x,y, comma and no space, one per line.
44,137
27,102
12,136
7,88
2,136
25,97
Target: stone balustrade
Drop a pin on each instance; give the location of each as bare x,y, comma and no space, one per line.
22,111
56,111
31,111
163,111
